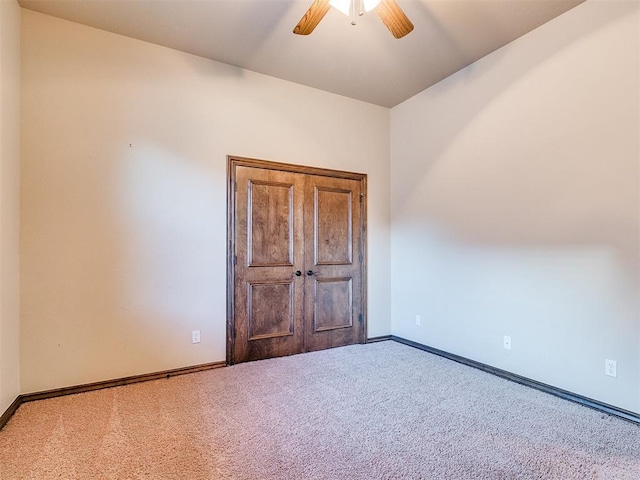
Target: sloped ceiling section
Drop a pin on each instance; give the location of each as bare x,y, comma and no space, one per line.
363,62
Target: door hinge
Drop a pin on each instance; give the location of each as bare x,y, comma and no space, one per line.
235,259
360,257
360,318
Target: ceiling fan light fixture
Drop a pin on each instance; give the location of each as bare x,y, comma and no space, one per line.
387,11
370,4
342,5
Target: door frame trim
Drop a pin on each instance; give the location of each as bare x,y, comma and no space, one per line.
235,161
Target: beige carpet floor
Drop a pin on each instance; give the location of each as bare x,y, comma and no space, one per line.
377,411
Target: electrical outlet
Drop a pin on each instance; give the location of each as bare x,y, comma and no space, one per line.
507,342
611,368
195,336
418,320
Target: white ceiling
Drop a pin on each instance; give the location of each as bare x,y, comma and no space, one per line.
363,62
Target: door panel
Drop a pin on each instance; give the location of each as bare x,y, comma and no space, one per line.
333,303
270,229
333,299
333,237
270,309
268,296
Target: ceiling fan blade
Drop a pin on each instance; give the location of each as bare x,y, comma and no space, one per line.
394,18
311,19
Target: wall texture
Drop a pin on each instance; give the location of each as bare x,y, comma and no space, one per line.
9,202
123,231
515,206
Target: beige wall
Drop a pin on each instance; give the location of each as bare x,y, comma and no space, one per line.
9,201
124,197
515,206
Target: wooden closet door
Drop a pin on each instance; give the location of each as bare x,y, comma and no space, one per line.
296,269
333,262
268,295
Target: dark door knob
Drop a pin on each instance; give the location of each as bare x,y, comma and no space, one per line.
298,273
310,272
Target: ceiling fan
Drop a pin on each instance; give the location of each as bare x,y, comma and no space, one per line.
387,10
